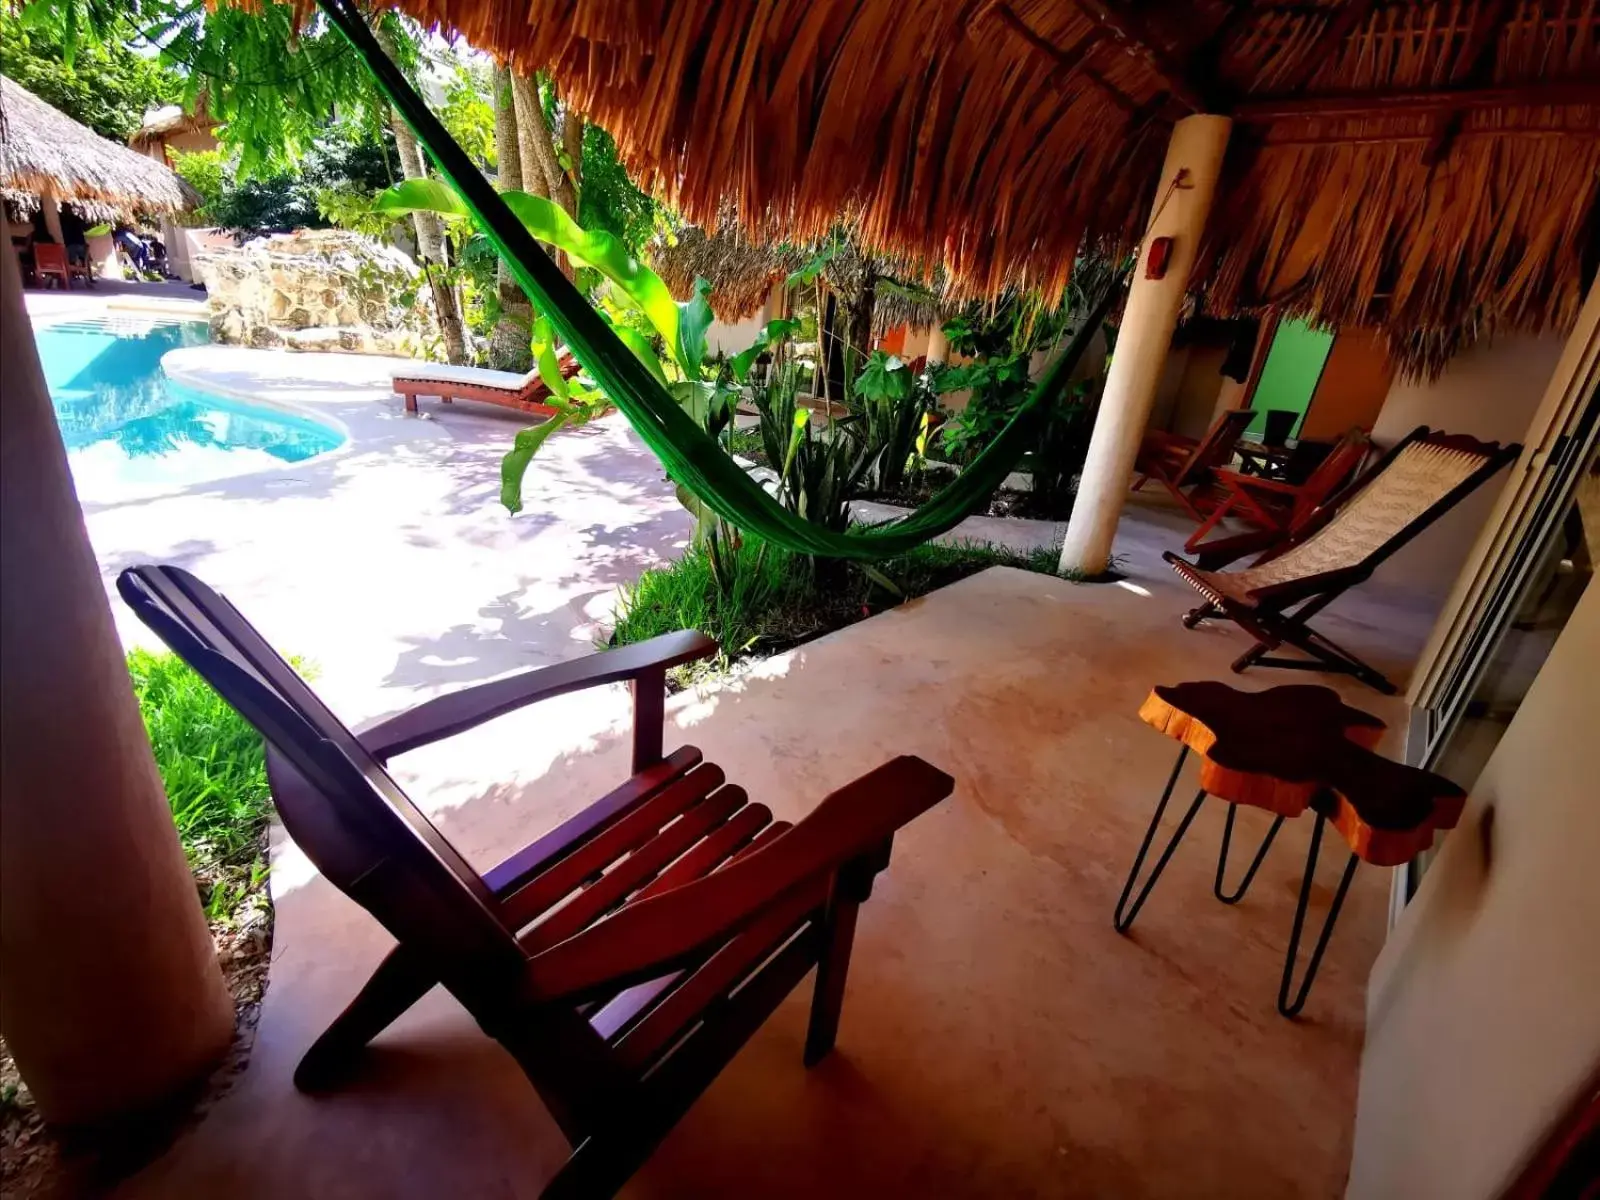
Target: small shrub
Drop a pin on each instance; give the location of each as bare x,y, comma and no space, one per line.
214,770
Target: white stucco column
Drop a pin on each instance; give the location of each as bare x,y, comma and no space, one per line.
938,345
111,999
1145,336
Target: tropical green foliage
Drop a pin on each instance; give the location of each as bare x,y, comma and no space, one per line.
273,79
210,174
332,184
102,86
1000,343
611,201
680,328
212,765
778,599
468,114
890,406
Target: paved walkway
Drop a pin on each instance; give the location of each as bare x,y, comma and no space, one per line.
389,563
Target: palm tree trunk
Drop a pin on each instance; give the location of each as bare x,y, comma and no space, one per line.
539,148
572,146
508,344
430,234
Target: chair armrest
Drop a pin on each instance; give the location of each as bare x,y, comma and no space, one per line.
649,937
1168,441
445,716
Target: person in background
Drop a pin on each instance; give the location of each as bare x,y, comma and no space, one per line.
73,235
133,245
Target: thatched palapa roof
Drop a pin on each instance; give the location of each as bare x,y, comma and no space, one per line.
44,150
741,273
1430,166
171,122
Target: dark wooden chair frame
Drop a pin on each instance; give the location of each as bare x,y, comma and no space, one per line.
1185,467
697,944
1277,505
1282,611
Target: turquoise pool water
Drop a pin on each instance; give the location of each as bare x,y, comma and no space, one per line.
129,428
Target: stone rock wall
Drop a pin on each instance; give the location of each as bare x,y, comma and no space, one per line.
319,289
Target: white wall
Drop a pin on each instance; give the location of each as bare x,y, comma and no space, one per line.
1483,1010
728,339
1490,392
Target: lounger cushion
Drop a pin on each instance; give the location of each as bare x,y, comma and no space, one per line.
476,376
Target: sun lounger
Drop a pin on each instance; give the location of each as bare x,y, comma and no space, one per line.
525,393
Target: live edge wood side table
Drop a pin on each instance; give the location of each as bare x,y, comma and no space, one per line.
1286,750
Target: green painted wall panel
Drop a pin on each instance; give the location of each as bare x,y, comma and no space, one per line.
1289,376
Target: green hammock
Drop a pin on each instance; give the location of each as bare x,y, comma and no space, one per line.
691,457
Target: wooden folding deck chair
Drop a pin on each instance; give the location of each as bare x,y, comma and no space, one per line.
1187,468
624,957
1335,548
1279,506
525,393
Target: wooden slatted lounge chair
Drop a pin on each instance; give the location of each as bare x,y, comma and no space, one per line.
1335,548
525,393
1274,505
622,958
1186,467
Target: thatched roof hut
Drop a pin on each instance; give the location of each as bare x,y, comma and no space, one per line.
741,272
46,152
172,124
1428,166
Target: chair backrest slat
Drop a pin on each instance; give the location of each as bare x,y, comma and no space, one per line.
1216,448
1331,474
372,821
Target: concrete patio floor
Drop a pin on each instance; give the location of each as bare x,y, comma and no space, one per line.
999,1039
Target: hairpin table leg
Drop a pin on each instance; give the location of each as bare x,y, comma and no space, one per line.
1121,921
1284,1006
1255,864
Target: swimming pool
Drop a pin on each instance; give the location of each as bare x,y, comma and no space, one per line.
128,428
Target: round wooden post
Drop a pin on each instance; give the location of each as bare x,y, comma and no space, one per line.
1151,314
110,993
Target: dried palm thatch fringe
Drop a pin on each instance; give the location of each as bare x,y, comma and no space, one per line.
993,138
44,150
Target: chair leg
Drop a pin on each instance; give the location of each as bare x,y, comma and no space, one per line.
1250,658
1285,1006
1121,920
827,999
399,982
851,889
1204,612
1255,864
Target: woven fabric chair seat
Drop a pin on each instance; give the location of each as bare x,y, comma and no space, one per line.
1420,476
